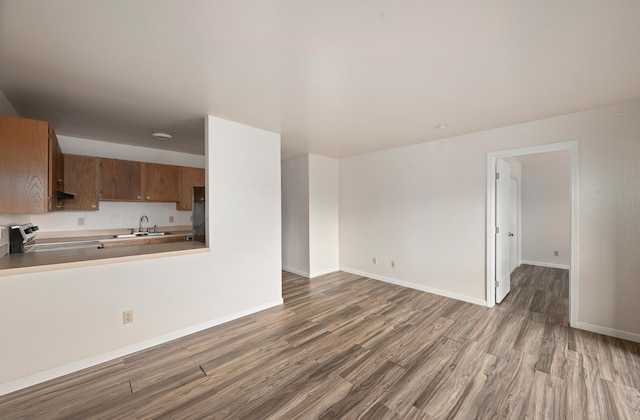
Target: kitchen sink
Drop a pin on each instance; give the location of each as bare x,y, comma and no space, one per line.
137,234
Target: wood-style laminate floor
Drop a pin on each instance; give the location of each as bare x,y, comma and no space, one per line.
344,346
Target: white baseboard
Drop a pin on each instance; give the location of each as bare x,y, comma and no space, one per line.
323,272
420,287
608,331
546,264
298,272
56,372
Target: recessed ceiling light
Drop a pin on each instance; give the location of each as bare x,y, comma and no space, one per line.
161,136
441,126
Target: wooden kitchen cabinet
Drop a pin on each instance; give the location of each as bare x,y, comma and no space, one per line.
189,178
120,180
31,166
82,178
160,182
125,180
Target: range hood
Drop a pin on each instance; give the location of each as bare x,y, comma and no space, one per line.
61,195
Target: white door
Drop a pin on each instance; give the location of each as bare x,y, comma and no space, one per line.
513,225
503,177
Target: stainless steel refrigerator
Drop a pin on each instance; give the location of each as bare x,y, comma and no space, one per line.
199,215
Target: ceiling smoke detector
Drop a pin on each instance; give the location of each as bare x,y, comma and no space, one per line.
161,136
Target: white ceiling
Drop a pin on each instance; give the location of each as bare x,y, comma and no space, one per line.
336,78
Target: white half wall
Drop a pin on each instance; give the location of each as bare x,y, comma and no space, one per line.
295,215
323,215
70,316
546,209
424,206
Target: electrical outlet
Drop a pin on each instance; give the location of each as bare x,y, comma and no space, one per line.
375,260
127,317
80,221
393,263
556,253
170,219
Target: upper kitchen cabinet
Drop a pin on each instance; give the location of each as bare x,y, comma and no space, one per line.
160,182
120,180
189,178
31,166
82,178
124,180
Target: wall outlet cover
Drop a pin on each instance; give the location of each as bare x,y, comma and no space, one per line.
127,317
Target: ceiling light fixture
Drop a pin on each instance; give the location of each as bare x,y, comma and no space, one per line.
441,126
161,136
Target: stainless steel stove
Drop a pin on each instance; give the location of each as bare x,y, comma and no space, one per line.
21,237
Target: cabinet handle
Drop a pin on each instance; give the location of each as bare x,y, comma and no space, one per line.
139,197
93,206
148,197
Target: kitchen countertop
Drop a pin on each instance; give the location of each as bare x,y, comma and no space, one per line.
65,258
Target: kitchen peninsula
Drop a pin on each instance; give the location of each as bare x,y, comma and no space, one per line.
70,251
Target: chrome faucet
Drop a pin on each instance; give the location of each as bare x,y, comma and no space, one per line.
140,226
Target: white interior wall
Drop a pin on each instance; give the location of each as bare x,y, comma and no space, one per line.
72,317
295,215
323,215
546,209
424,206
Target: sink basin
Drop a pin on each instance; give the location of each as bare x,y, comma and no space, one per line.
136,234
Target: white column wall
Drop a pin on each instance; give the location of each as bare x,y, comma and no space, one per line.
323,215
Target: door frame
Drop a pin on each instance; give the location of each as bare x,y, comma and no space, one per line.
572,146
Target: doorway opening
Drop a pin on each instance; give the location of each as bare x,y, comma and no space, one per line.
491,234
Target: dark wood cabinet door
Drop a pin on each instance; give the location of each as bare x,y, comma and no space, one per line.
161,182
189,178
81,178
120,180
